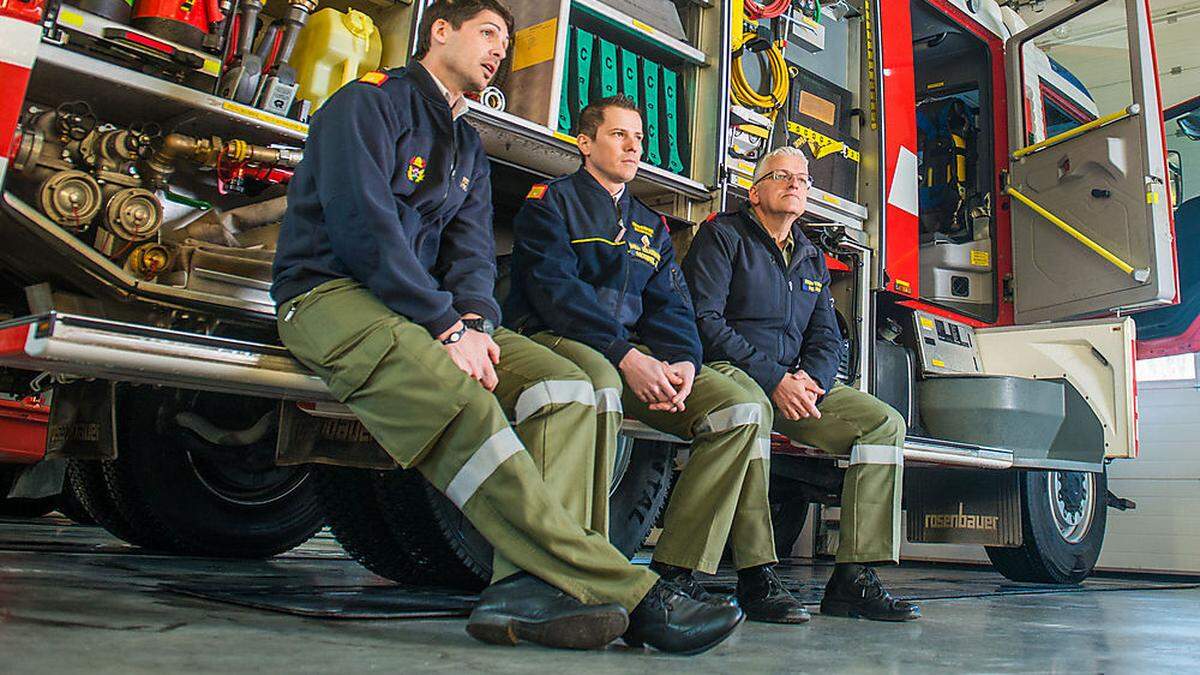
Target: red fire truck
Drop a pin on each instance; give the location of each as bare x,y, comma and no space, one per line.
992,198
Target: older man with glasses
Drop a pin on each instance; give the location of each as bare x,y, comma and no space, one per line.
762,300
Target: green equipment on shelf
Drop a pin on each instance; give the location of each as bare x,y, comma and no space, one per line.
651,109
629,74
608,68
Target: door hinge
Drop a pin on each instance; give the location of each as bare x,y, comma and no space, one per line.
1009,287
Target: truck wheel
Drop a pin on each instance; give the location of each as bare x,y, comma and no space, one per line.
352,509
1063,515
69,504
198,498
86,479
637,497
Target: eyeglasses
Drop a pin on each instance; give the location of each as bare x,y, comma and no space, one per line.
786,177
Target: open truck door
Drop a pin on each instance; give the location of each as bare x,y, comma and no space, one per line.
1091,219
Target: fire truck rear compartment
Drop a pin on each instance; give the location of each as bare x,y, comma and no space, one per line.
954,96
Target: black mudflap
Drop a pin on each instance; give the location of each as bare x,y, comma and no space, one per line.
961,506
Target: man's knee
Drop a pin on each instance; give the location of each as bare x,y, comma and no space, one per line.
561,383
737,408
893,427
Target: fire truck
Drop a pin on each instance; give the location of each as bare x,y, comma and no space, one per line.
992,198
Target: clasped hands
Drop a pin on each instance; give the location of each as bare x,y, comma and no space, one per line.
663,386
796,396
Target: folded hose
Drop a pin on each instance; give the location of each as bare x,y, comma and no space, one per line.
750,97
768,10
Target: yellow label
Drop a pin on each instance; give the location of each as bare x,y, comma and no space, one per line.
981,258
535,44
642,229
265,117
70,18
935,85
818,141
742,181
938,362
926,323
903,286
1151,197
212,67
831,199
743,166
645,28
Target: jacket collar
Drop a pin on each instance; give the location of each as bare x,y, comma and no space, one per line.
804,247
432,90
586,182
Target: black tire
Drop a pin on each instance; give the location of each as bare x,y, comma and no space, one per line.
70,505
347,498
19,507
196,499
86,478
1063,517
459,549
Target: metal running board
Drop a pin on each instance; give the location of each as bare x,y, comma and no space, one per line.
81,346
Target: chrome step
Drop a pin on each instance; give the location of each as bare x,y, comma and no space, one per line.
88,347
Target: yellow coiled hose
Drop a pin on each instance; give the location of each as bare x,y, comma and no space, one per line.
744,94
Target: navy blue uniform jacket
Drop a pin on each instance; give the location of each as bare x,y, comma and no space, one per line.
601,273
394,193
765,316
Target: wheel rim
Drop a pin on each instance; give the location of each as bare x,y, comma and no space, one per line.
1072,495
245,486
621,463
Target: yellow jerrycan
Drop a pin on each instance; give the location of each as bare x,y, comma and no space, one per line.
334,48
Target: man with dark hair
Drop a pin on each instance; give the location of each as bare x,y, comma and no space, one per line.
455,12
763,303
384,280
594,279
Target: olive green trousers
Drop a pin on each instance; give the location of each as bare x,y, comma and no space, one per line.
429,415
721,493
872,433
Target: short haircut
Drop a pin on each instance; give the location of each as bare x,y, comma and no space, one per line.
592,116
760,169
456,12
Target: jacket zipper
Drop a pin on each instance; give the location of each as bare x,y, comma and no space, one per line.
624,258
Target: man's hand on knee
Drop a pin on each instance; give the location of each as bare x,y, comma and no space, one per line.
795,398
476,354
682,376
649,379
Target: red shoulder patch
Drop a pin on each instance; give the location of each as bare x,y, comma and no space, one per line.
710,217
537,191
375,77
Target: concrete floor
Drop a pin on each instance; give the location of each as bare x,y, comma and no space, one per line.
73,599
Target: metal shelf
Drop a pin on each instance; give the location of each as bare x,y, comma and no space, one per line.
642,33
121,95
76,20
519,142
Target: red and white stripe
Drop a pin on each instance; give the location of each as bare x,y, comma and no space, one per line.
20,34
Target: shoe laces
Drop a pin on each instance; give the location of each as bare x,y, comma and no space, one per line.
690,587
870,585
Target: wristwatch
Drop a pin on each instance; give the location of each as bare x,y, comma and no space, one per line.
481,325
456,335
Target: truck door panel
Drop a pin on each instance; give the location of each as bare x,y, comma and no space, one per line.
1091,223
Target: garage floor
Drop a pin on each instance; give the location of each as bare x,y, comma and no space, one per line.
72,599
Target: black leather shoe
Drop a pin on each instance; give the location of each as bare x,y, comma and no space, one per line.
523,607
855,591
670,621
763,597
692,588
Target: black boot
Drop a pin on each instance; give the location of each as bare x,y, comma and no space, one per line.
762,595
855,591
670,621
523,607
686,581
